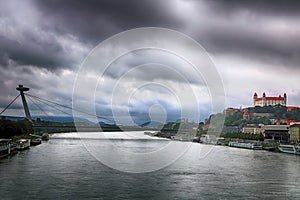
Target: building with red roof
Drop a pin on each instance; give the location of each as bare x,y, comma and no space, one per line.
284,121
246,115
269,101
289,108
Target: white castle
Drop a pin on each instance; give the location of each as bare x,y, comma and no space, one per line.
269,101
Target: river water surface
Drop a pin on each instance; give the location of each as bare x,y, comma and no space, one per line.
65,168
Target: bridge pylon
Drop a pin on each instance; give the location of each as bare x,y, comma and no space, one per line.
22,90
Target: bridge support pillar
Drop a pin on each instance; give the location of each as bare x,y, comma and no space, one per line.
22,90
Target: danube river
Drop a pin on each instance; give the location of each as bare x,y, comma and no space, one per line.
67,167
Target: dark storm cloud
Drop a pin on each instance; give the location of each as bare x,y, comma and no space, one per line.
257,46
267,7
265,31
94,20
33,52
88,22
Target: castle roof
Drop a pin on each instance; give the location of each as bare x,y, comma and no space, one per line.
271,98
279,98
275,98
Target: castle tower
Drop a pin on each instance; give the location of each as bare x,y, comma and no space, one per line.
264,99
254,98
22,90
284,99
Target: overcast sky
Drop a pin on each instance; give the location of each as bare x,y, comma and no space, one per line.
255,46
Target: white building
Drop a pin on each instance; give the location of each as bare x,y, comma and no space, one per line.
269,101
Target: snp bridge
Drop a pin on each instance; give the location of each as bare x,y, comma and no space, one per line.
61,126
37,101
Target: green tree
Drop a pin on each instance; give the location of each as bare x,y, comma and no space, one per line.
9,128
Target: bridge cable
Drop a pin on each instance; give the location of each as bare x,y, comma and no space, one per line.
9,104
53,107
41,99
37,106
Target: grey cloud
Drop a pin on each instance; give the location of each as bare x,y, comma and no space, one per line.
49,55
94,20
255,46
139,113
267,7
153,65
232,29
88,22
265,31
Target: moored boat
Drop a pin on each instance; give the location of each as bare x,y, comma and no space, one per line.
256,146
288,148
196,139
243,145
297,149
35,142
22,144
4,147
45,137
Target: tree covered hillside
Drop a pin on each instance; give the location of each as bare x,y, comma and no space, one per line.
261,115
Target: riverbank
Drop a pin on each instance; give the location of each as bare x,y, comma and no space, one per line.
235,143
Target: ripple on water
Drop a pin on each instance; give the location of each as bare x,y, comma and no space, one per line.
64,169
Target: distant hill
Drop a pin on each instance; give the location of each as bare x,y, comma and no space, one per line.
61,119
105,123
151,124
13,118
